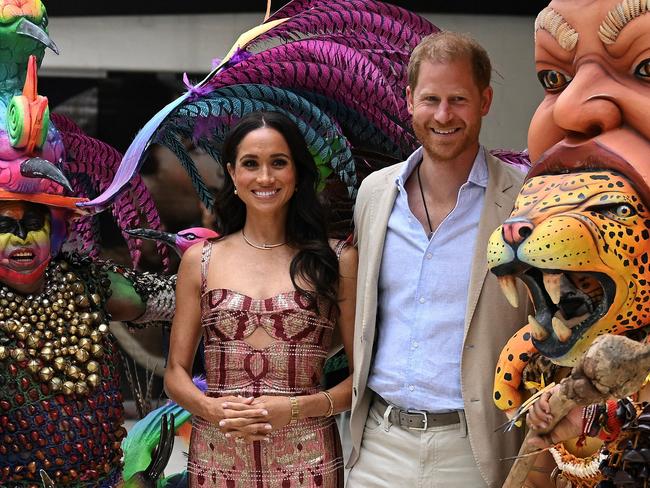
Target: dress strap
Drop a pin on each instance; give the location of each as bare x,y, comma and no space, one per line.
338,249
205,264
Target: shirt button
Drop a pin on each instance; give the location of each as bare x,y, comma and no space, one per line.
411,387
429,255
415,345
422,299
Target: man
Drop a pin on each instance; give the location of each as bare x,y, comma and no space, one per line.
430,323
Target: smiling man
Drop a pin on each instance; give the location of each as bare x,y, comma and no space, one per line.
429,322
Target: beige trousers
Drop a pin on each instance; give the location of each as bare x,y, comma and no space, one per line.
395,457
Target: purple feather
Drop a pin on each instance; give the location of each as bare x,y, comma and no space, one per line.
194,91
415,22
317,21
201,383
336,58
518,159
355,92
83,148
133,157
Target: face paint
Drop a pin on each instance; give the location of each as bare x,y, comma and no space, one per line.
24,245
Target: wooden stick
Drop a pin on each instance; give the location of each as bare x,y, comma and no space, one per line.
613,367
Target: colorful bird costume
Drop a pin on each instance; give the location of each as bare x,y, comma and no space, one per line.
60,402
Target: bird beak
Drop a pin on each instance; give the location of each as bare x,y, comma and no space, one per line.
41,168
29,29
154,235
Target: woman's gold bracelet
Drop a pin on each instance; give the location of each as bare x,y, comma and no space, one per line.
295,408
330,411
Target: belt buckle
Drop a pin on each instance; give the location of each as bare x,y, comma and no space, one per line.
425,420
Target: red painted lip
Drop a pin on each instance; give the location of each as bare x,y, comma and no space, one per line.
565,157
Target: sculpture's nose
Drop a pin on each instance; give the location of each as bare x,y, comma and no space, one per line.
516,230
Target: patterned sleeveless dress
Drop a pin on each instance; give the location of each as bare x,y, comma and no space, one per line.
304,454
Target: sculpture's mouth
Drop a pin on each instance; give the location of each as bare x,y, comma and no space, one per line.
567,304
592,155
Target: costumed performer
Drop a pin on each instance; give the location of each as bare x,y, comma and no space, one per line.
60,403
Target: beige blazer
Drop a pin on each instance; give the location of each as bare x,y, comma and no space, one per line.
489,322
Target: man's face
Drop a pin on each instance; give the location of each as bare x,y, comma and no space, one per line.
447,107
24,245
595,112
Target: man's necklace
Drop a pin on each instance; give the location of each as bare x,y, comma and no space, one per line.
424,202
264,247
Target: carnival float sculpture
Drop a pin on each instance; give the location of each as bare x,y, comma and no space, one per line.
579,234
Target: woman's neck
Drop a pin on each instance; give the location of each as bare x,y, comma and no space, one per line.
265,228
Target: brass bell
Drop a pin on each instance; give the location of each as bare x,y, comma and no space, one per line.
47,354
81,388
56,384
68,387
59,363
34,365
97,350
18,354
82,355
46,373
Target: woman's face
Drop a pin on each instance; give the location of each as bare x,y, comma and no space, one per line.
264,172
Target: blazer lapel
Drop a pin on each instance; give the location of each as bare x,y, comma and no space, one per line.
381,201
497,206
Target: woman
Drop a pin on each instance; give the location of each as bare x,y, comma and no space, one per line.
267,297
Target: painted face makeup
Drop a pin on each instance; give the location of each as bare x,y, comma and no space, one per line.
24,244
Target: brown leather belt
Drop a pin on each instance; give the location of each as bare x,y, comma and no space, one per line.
416,419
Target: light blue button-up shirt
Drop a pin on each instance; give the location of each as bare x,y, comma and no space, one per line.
423,286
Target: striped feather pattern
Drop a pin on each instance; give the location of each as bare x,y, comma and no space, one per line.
336,67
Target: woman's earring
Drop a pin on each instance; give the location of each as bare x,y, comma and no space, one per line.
235,191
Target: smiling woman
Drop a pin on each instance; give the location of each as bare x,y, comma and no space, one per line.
267,305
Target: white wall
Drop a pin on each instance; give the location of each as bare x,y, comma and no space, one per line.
92,45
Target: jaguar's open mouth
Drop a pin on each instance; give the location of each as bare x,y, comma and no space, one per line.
566,304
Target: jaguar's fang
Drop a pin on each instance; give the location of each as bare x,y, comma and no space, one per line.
509,289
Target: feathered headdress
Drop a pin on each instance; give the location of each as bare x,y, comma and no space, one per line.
335,67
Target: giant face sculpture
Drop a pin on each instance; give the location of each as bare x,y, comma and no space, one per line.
570,238
593,60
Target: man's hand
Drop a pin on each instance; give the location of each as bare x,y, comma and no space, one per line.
540,417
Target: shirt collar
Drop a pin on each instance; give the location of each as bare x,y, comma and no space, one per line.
477,176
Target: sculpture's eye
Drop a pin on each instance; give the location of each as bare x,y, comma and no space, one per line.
617,211
553,80
624,210
642,69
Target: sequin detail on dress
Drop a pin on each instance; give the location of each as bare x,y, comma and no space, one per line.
305,454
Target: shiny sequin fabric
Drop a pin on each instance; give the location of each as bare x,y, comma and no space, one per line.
304,454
